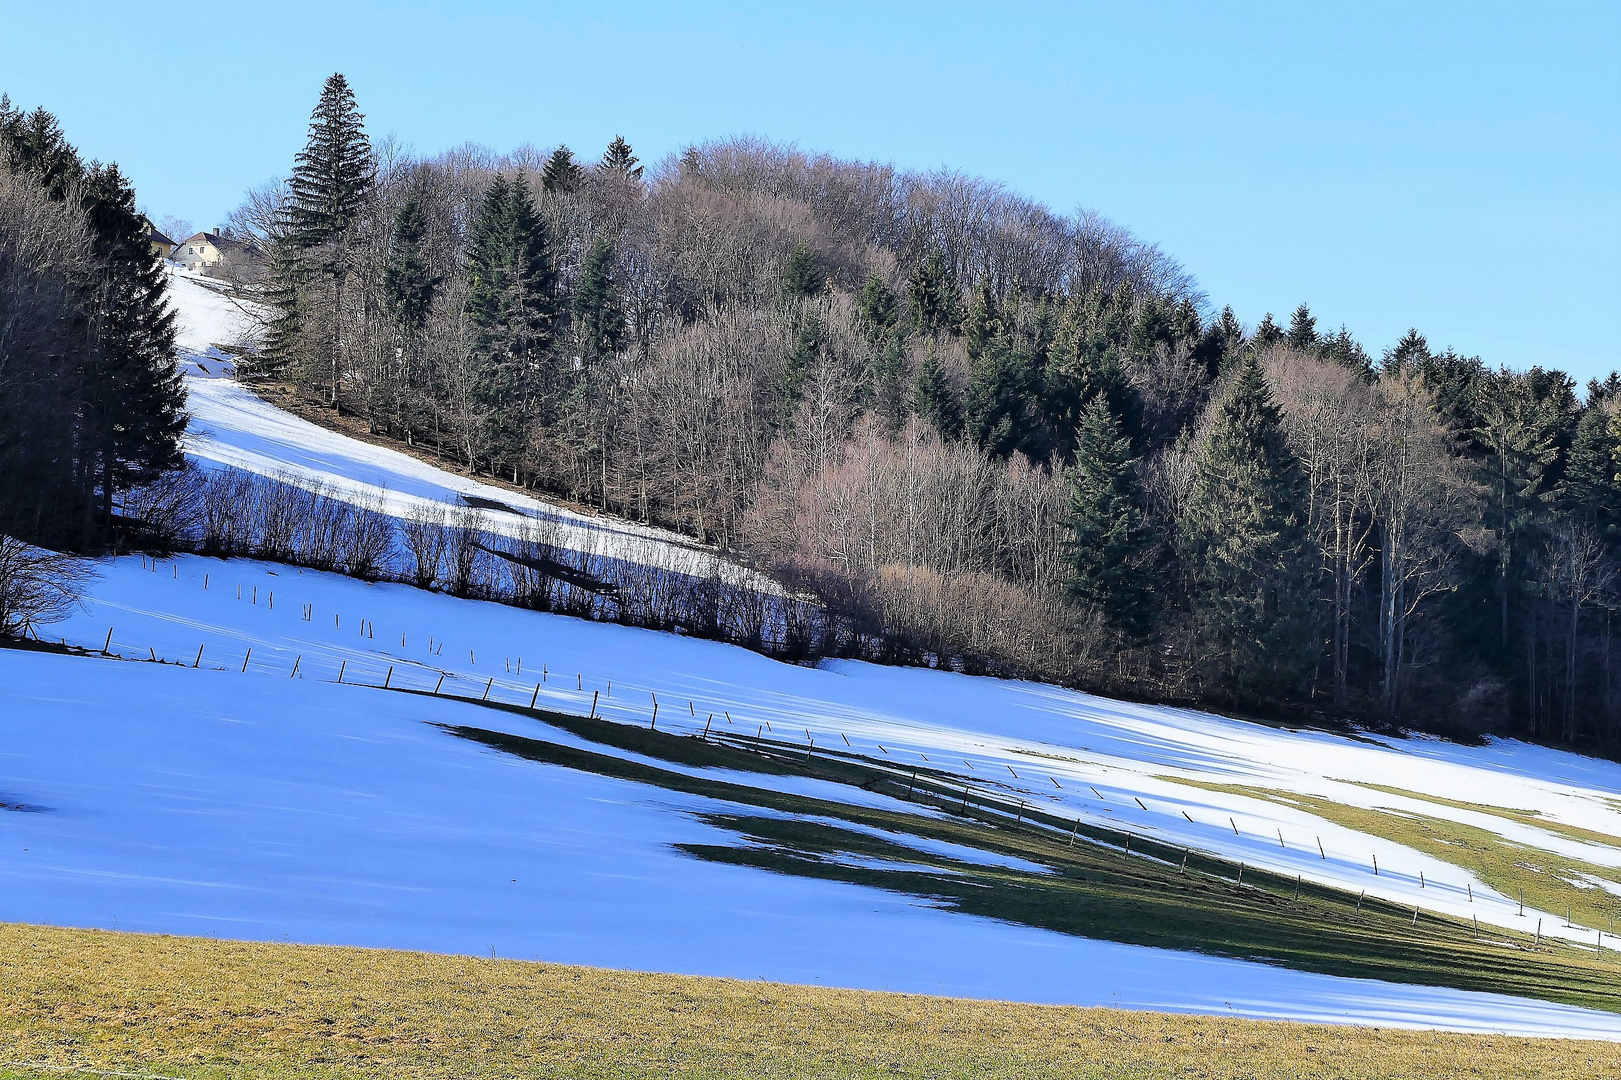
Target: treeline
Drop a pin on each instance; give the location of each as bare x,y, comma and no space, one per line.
982,433
91,401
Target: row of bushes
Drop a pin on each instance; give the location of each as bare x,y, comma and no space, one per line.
541,562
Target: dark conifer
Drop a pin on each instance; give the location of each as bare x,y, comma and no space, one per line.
932,291
618,158
1108,546
802,277
878,308
597,315
561,174
408,284
934,399
1302,330
333,174
1244,539
1266,334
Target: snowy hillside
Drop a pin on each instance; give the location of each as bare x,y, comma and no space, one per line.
230,426
261,783
208,800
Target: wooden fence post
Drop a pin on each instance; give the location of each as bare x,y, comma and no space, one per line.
593,705
711,720
109,642
1320,850
246,658
299,659
345,667
195,662
1234,824
535,697
438,684
389,677
487,686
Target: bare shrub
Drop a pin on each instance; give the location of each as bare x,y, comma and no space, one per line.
37,585
167,513
464,555
427,539
368,541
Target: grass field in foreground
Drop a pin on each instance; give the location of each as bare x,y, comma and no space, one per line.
86,1000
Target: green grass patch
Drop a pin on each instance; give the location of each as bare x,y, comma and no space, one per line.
1524,817
1542,877
91,1003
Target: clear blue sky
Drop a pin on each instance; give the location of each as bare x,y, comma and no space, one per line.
1455,167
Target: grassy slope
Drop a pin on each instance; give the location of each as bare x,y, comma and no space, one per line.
1541,877
196,1008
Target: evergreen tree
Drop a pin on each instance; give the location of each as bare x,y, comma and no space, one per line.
802,277
1411,353
332,175
878,308
106,412
1085,360
983,324
932,292
331,182
618,158
1244,540
1590,490
1302,334
512,304
934,399
34,143
998,391
408,284
561,174
1266,334
1108,546
597,314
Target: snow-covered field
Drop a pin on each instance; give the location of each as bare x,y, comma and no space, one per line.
234,800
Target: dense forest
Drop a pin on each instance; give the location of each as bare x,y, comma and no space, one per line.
91,402
976,432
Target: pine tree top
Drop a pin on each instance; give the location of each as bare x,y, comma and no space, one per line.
618,158
334,173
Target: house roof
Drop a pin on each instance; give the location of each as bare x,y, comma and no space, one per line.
158,238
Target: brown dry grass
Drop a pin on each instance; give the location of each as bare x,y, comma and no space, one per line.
203,1008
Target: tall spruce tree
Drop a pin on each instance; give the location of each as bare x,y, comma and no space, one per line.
1108,546
802,277
1244,540
561,173
332,176
932,291
408,283
1302,333
619,159
513,305
104,409
935,400
137,403
332,179
878,308
598,318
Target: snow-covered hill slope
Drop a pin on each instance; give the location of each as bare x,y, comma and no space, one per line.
217,801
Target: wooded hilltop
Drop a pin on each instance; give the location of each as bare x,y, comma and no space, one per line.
978,432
